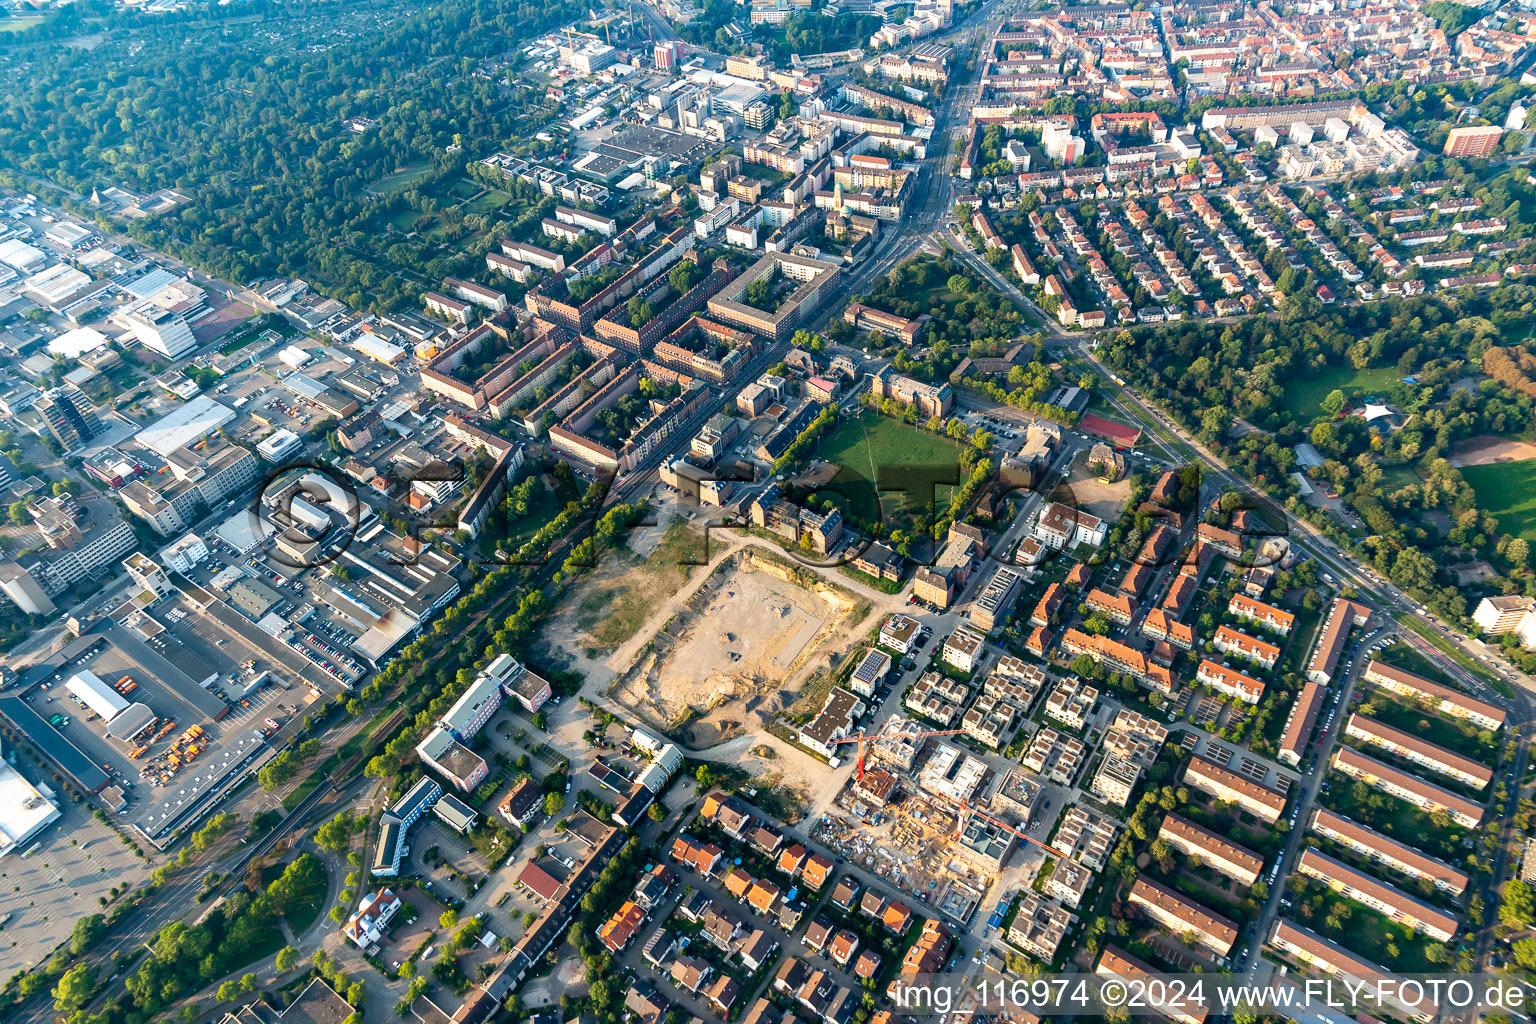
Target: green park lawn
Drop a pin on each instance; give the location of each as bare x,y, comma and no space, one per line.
1396,818
19,23
1304,398
1430,727
394,184
887,467
1508,490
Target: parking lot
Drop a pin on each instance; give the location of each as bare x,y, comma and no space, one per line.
167,671
74,864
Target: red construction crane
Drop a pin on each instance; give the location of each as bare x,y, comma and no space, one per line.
859,738
967,806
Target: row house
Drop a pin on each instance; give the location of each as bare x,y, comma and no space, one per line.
1239,644
1395,782
1421,752
1385,850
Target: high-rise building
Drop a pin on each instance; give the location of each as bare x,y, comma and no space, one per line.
1473,141
161,332
69,415
668,55
1060,143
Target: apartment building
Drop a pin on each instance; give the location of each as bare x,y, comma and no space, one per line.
1087,836
899,633
833,722
1385,850
1159,625
1214,780
989,721
1276,620
1071,702
1224,541
813,280
478,294
1471,142
1115,779
937,698
1496,616
1054,755
1136,736
1059,526
1039,926
1442,698
1299,724
996,599
1115,607
1120,657
1420,752
964,648
1229,681
1069,882
1048,605
1239,644
1378,895
1180,916
870,672
1424,795
453,310
1221,854
1314,950
1343,616
1117,963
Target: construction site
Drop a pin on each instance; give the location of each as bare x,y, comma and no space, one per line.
934,821
735,652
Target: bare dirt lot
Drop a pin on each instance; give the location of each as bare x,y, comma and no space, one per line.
1485,450
725,663
608,606
1084,490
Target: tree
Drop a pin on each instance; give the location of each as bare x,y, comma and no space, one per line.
228,992
336,834
287,959
657,812
74,988
1334,402
449,918
86,932
554,803
19,514
1518,908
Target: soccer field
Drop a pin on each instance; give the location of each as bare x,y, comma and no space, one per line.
888,465
1508,490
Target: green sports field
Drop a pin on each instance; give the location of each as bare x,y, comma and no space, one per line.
1508,490
887,465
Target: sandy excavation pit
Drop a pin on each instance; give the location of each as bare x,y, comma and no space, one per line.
731,659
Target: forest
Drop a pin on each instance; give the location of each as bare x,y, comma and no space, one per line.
247,122
1234,386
